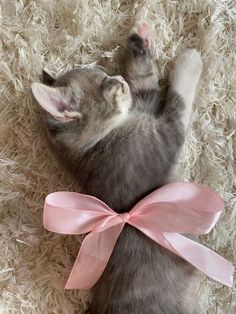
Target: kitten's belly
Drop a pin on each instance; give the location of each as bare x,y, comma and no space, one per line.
142,277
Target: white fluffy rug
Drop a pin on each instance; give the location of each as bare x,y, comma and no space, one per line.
57,35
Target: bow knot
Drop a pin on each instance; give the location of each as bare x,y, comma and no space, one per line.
125,216
163,215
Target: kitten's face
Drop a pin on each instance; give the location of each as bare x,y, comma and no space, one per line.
84,94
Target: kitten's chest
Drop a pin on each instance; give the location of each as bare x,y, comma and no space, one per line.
120,176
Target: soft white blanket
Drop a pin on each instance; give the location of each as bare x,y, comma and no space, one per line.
57,35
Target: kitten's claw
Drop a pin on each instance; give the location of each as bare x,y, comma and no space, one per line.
143,30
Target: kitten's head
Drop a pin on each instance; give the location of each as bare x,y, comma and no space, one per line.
84,99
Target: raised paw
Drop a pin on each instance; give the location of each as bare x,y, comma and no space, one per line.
184,79
187,67
187,70
143,30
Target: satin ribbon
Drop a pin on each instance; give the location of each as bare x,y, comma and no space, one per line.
175,208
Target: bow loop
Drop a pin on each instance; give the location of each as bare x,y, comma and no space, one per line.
75,213
175,217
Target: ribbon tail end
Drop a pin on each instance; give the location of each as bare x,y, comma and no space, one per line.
70,286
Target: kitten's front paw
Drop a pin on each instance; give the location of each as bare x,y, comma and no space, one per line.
187,68
143,30
184,79
140,39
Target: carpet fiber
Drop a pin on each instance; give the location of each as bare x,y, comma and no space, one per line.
57,35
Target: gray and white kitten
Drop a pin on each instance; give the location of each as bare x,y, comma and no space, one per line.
113,137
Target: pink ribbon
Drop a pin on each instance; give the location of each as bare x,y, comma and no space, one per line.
175,208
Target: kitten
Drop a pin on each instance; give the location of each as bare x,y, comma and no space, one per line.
111,135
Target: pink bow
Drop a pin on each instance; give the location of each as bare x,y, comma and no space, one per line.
175,208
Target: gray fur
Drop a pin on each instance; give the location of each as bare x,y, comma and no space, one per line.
121,167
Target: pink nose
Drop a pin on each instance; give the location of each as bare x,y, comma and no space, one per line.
124,216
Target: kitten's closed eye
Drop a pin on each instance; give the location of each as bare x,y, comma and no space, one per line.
104,79
98,78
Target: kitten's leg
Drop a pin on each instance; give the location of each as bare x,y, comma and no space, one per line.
176,113
183,82
140,69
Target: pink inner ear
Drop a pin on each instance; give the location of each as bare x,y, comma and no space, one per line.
54,105
51,100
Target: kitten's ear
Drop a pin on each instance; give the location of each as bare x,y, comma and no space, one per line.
53,101
47,78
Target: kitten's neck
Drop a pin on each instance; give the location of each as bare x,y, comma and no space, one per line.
92,135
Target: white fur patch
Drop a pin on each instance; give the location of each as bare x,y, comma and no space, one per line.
184,79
